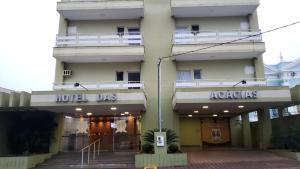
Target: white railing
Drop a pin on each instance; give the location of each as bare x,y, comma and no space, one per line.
134,38
95,0
188,37
99,85
218,83
88,148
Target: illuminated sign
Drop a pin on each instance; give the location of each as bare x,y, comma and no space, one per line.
236,94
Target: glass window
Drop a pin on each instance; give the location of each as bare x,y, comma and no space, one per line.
120,76
184,75
253,116
120,31
273,113
197,74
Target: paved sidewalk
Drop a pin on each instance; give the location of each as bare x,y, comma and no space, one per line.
237,160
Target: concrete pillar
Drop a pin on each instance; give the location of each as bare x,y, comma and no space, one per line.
264,128
247,137
55,140
63,26
259,67
253,21
281,112
4,99
236,131
24,99
157,18
14,99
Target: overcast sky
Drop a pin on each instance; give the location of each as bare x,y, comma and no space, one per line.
28,30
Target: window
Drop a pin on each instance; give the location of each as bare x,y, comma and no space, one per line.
195,29
120,76
183,75
273,113
197,74
72,30
121,31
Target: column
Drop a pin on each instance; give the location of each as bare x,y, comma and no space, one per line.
259,67
253,21
55,140
236,131
264,128
247,137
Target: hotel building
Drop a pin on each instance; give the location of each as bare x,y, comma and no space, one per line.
107,53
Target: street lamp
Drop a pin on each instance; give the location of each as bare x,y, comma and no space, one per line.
242,81
159,92
78,84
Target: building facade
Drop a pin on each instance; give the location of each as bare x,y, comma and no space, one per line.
212,73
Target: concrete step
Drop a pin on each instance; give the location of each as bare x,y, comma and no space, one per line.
106,160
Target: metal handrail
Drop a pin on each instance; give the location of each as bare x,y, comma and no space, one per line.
89,149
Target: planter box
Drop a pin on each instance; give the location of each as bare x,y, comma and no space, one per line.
142,160
23,162
287,153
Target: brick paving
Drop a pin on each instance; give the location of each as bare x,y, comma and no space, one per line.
237,160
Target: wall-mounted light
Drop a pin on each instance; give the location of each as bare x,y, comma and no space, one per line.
113,108
78,109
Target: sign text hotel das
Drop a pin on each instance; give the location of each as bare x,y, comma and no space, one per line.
65,98
233,94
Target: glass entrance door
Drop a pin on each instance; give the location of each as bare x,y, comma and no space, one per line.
117,133
75,134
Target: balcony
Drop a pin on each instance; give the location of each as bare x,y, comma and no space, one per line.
204,83
209,45
99,86
213,8
101,9
105,47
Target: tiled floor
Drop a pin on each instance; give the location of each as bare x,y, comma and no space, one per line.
237,159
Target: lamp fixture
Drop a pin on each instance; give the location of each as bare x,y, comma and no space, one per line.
89,113
126,112
78,109
113,108
226,111
196,111
204,107
190,115
122,114
215,115
68,117
241,106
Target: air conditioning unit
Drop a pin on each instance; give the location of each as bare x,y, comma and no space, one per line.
67,73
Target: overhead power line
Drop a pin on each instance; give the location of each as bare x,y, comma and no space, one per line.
224,43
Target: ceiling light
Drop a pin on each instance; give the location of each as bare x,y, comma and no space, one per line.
68,117
122,114
196,111
89,113
78,109
113,108
215,115
226,111
204,107
190,115
241,106
126,112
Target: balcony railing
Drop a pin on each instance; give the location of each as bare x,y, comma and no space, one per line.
99,85
218,83
188,37
95,0
133,38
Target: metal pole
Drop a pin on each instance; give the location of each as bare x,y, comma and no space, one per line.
94,151
159,92
82,159
99,148
89,155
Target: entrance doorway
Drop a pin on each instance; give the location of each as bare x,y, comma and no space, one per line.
204,132
116,133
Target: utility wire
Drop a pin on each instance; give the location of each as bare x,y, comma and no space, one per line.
224,43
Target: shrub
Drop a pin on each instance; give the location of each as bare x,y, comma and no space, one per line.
173,148
147,148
